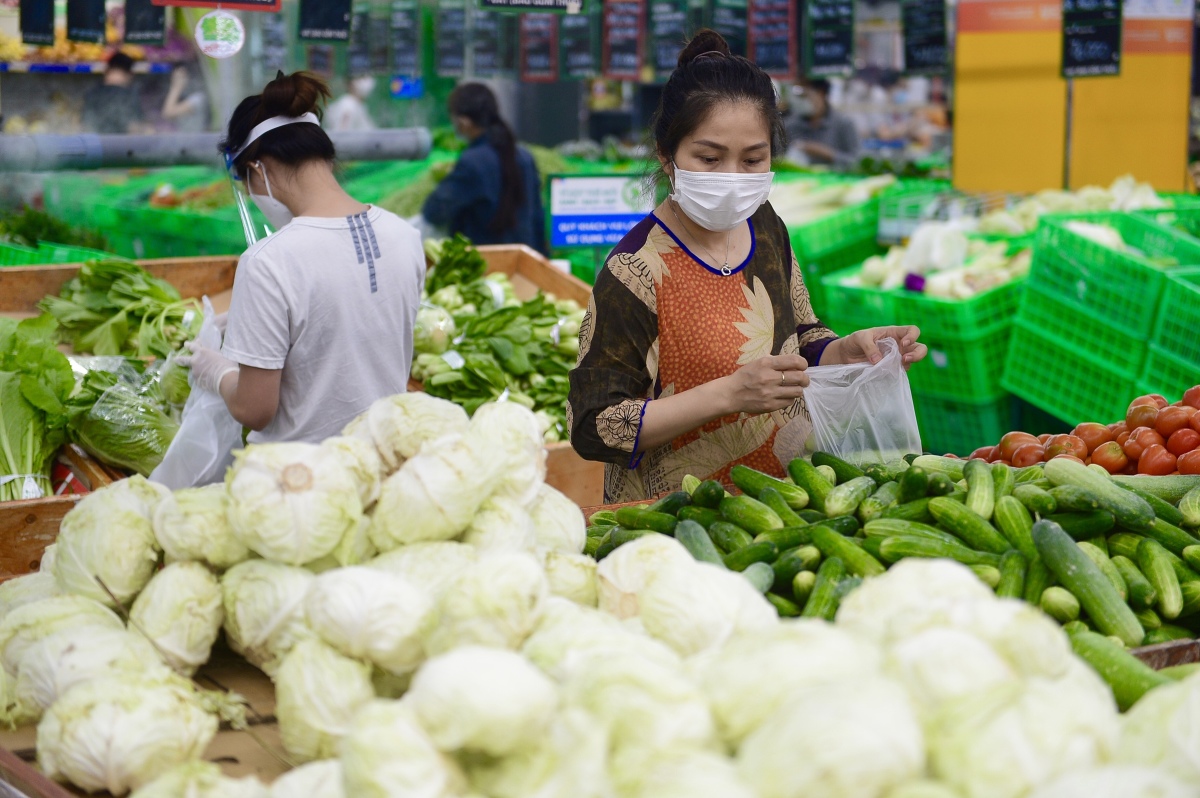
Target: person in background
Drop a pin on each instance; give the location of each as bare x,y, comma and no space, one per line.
321,320
113,106
185,106
349,112
493,195
822,134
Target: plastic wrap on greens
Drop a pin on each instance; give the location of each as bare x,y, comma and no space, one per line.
121,423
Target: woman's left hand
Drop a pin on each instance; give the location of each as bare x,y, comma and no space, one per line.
862,346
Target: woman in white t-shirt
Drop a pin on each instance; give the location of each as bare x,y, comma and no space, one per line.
321,320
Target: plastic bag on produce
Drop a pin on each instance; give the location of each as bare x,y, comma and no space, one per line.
861,413
208,434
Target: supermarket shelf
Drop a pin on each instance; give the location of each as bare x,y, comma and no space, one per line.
81,68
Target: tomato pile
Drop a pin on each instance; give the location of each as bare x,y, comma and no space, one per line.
1155,438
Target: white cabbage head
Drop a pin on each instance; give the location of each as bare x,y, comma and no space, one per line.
315,780
26,590
624,574
430,566
1115,781
572,576
688,774
109,536
199,779
1162,730
120,733
387,754
291,502
697,606
501,525
361,459
264,610
317,693
192,524
181,611
37,620
866,741
516,433
355,548
755,672
1002,742
483,700
436,493
49,555
497,602
558,522
942,664
53,665
400,425
370,615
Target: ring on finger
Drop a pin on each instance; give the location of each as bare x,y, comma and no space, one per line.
783,378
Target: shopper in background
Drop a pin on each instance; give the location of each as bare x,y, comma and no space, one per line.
819,132
186,106
321,320
694,350
493,194
349,112
113,106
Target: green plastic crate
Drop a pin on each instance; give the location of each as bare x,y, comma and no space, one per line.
1168,374
955,427
962,370
1184,219
61,253
17,255
815,271
960,319
1125,288
850,307
1178,328
1066,382
1084,331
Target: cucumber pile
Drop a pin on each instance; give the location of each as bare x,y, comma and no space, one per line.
1113,556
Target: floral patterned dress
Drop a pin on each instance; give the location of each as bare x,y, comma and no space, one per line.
661,322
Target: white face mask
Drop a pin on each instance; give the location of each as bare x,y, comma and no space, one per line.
720,201
363,86
276,212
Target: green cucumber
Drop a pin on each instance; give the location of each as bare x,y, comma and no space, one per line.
1128,676
750,514
1170,489
1031,473
951,467
793,561
1083,578
1004,480
914,484
988,574
891,527
1012,575
829,474
704,516
598,531
1182,572
834,546
872,546
753,482
1131,511
1082,526
1036,500
761,576
1074,627
1189,508
787,538
696,540
973,529
689,484
845,498
845,471
709,494
1037,579
912,511
1180,672
981,488
603,518
774,499
823,601
939,484
1191,556
1191,599
1173,539
1060,604
785,608
804,474
1149,619
1154,564
605,546
729,537
897,547
1162,509
846,525
671,503
1124,544
743,558
802,586
1106,567
886,497
592,547
810,516
1099,542
1167,633
641,518
1074,499
1014,522
1142,595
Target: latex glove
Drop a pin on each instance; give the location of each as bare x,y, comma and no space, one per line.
221,320
208,366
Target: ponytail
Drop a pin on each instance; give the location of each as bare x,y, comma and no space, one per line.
477,103
287,95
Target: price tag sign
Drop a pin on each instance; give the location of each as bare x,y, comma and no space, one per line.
539,48
486,44
668,31
325,20
358,53
1091,38
728,18
145,23
451,26
406,38
37,22
220,34
771,42
595,210
829,37
86,21
924,24
537,6
624,31
579,46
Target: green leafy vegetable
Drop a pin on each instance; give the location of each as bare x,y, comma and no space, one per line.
30,227
458,264
121,423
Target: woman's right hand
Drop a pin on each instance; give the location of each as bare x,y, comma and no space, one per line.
767,384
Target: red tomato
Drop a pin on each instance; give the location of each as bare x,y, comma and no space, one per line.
1191,397
1118,428
1124,436
1183,441
1171,420
1014,440
1159,400
1140,440
1145,401
1194,422
1156,461
1068,457
1045,436
1067,444
982,453
1141,416
1093,435
1028,454
1189,463
1111,457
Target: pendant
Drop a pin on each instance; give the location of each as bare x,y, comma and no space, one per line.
725,270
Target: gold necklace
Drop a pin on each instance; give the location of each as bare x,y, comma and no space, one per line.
725,270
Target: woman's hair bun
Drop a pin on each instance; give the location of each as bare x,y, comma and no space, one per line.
706,42
294,95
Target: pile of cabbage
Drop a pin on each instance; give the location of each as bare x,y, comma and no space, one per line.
804,200
1125,194
417,595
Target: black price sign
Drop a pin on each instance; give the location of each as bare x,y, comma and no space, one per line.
728,18
145,23
771,42
358,54
537,6
624,32
1091,43
320,59
86,21
486,44
668,28
37,22
274,32
924,23
578,45
829,37
325,20
539,48
406,37
450,60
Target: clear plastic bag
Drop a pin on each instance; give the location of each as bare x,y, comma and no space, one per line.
208,434
863,413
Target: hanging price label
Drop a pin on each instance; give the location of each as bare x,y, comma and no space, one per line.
220,34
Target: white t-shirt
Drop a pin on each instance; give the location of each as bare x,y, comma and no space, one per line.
332,302
348,113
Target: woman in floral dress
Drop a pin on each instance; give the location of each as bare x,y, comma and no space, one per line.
694,350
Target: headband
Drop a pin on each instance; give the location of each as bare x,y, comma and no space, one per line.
267,126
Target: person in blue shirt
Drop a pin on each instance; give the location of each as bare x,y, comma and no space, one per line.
493,194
